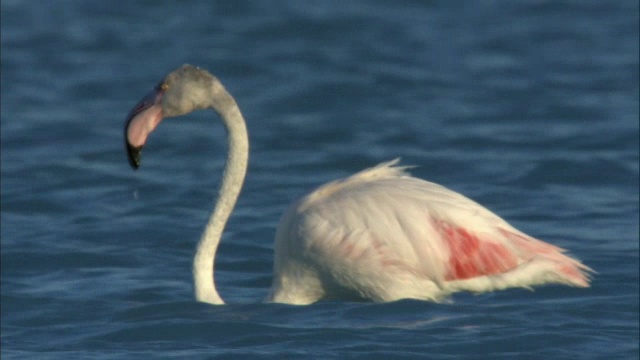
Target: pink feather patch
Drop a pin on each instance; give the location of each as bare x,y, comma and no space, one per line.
470,255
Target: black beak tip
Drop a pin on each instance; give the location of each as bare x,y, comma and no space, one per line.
133,155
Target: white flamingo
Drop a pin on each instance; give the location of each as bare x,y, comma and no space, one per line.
378,235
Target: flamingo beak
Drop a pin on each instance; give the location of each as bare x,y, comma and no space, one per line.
141,121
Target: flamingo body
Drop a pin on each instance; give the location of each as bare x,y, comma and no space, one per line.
384,235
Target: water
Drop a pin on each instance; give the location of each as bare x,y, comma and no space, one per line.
531,108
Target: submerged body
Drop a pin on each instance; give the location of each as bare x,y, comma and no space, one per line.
379,235
383,235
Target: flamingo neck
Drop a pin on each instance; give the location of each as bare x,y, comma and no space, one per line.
233,178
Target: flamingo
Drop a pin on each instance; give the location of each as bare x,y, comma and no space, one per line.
379,235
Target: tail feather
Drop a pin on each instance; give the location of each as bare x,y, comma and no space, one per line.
571,270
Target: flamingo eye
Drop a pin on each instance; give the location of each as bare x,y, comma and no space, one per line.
163,86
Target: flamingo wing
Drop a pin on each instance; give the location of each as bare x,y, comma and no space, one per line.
384,235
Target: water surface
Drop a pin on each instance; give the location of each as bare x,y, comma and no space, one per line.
530,108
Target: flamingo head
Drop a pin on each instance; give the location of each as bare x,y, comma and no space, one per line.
184,90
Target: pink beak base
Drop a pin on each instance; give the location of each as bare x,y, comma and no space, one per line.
141,121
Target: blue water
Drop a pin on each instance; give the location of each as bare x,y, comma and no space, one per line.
530,108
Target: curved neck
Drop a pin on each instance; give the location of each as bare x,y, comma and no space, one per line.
233,178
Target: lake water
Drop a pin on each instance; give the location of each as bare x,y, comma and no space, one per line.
530,108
